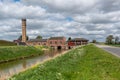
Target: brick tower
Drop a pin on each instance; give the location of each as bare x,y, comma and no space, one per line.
23,30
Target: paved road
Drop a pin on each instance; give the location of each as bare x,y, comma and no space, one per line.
113,50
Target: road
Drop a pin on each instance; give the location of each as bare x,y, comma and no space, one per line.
113,50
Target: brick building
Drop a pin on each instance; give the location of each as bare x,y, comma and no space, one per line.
33,42
54,42
57,42
76,42
24,30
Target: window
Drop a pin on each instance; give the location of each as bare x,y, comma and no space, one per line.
60,42
44,43
50,42
55,42
33,43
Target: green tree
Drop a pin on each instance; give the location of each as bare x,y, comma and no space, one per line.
94,41
69,38
109,39
116,39
20,38
39,37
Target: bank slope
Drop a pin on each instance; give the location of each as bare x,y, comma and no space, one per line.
10,53
6,43
86,63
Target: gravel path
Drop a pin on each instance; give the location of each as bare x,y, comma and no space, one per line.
113,50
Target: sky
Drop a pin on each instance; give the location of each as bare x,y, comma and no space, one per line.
90,19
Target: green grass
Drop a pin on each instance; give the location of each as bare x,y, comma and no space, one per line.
6,43
116,45
15,52
86,63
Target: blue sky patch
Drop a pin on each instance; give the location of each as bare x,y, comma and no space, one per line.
69,19
16,0
1,0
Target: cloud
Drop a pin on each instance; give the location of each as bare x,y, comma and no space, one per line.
64,6
93,19
18,11
109,5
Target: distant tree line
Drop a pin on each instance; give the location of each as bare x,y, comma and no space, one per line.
20,38
38,37
112,39
94,41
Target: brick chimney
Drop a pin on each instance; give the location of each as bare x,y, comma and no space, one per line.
23,30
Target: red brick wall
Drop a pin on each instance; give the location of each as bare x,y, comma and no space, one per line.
56,42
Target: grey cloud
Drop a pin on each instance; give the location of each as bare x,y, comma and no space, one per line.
18,11
93,19
109,5
64,6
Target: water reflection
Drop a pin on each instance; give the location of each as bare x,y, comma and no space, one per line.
11,68
24,64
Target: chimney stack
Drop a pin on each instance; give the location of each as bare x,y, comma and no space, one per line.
23,30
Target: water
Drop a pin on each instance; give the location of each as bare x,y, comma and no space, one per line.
11,68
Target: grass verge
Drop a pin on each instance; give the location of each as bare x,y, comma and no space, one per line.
86,63
7,43
115,45
9,53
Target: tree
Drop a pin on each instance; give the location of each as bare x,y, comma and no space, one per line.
94,41
69,38
20,38
109,39
116,39
39,37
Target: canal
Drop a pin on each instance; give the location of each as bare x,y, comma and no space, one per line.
11,68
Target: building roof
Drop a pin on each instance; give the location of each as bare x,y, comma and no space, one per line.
79,39
16,41
22,43
56,38
37,40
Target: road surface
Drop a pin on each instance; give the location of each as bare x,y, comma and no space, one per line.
113,50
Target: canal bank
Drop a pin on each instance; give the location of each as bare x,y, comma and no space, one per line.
85,63
12,53
14,67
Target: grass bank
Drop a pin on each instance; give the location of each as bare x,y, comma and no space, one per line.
86,63
9,53
116,45
6,43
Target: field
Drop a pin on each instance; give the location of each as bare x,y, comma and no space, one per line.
8,53
86,63
116,45
6,43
